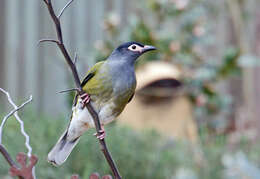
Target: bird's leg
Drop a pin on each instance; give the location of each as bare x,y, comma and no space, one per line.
102,132
85,99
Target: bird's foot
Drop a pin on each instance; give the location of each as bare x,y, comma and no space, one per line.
102,133
85,99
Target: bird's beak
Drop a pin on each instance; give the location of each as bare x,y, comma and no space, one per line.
147,48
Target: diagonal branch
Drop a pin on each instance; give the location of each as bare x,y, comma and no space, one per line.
7,156
61,45
72,66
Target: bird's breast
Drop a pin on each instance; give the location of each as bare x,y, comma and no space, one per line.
124,84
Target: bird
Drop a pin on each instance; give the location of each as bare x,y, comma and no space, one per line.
108,86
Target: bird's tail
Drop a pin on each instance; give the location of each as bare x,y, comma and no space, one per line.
62,149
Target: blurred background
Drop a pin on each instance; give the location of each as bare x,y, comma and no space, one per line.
195,113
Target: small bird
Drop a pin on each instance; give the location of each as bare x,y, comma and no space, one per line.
108,86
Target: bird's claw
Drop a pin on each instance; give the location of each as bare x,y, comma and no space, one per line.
101,134
85,99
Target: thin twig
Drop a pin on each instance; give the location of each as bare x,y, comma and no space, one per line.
75,58
66,6
47,40
69,90
72,66
55,20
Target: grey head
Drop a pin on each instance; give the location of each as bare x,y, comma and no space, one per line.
130,51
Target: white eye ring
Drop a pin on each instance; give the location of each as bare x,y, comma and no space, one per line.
135,48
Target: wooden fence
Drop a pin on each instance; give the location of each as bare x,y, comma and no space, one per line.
27,68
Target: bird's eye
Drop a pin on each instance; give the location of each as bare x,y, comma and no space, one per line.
135,48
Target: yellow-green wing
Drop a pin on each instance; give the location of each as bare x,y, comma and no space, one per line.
99,86
91,73
90,80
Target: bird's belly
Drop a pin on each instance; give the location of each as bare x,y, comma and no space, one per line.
82,120
107,113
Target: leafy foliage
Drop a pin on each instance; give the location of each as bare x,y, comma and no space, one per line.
138,155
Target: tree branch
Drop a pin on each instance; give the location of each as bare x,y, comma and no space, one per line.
7,156
72,66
